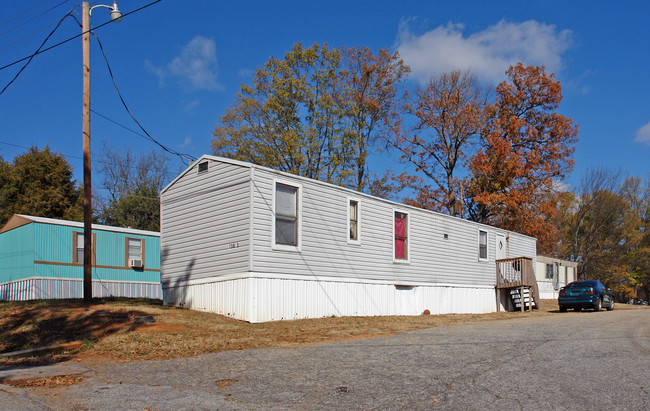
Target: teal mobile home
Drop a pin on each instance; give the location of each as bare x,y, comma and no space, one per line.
43,258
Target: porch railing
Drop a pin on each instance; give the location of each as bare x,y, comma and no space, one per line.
517,272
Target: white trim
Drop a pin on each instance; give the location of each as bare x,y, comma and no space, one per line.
498,235
408,235
251,219
347,233
487,245
278,276
128,254
77,224
284,247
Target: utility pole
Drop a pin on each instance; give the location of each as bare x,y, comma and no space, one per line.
116,16
88,209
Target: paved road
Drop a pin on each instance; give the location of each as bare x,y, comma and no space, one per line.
565,361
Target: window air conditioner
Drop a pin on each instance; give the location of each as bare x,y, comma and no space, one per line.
135,263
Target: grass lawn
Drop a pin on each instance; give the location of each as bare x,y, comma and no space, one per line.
111,332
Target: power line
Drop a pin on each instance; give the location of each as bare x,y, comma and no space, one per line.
93,160
182,156
40,47
23,12
139,134
27,36
74,37
34,18
120,124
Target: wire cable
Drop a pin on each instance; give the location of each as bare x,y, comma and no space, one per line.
27,36
74,37
93,160
40,47
182,156
34,18
22,12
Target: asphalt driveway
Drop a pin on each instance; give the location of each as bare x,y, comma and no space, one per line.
566,361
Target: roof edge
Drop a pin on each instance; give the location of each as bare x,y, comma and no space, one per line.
18,220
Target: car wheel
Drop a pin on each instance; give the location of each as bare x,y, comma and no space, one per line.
611,306
598,305
562,309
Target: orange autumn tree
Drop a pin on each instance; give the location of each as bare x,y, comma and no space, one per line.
525,146
448,115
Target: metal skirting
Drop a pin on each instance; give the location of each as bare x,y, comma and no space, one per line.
51,288
547,290
271,299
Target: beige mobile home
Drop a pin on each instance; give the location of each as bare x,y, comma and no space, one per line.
261,245
553,274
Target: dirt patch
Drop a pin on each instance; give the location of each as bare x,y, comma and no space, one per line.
58,381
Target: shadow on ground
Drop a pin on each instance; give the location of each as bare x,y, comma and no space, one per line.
32,324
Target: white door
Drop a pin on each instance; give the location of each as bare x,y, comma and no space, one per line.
502,251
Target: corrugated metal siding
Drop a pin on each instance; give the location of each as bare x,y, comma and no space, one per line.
266,299
49,288
17,253
292,299
325,251
230,297
205,224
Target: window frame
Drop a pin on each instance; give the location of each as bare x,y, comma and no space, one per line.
356,241
75,235
487,245
203,167
406,260
127,257
287,247
552,266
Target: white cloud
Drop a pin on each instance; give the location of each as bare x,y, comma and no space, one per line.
195,67
190,106
643,135
561,186
486,53
247,73
186,142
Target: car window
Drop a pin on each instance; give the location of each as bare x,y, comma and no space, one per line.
585,283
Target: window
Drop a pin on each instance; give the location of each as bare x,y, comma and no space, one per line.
134,253
401,236
287,221
78,247
203,167
354,233
482,245
549,270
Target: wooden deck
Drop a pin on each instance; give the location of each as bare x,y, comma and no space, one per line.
513,273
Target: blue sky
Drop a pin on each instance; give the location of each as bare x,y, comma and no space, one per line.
180,64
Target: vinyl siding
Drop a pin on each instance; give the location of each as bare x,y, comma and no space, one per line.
46,250
325,250
110,246
17,253
205,223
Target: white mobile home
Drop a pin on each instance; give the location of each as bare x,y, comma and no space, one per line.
261,245
553,274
